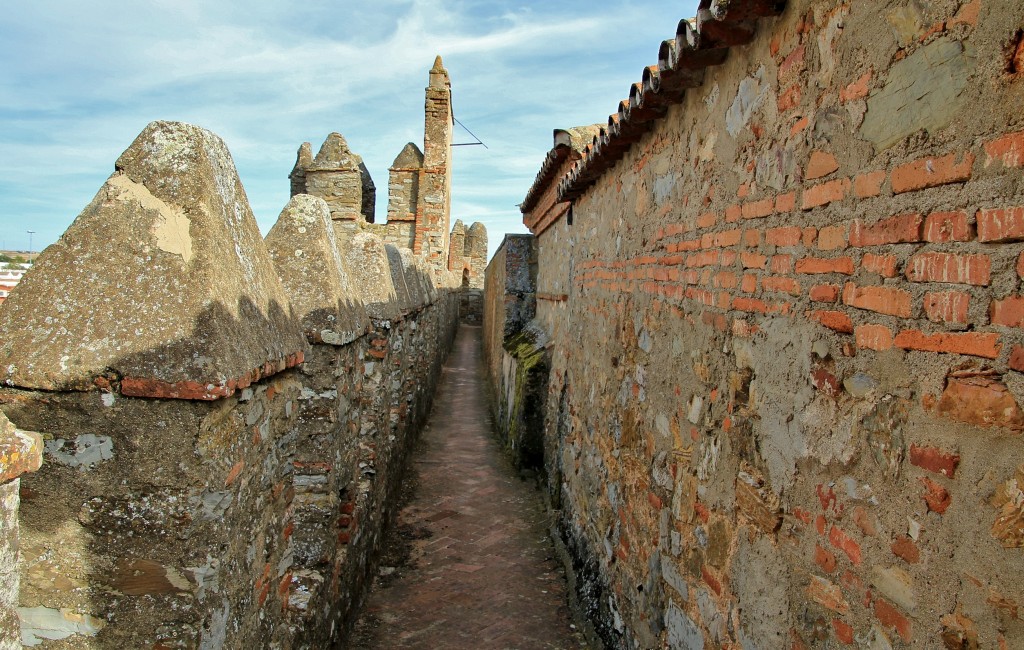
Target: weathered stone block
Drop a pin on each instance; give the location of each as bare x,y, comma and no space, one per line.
163,277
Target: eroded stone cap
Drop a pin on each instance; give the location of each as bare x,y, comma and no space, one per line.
305,252
163,283
368,263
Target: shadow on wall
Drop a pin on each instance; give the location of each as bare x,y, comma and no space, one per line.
223,440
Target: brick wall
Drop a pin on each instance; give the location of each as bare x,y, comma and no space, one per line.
785,388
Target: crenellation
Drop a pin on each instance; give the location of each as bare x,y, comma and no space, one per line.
226,427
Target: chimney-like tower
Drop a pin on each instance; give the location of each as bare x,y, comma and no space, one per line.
434,211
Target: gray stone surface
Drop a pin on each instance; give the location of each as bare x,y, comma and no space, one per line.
367,260
397,270
923,91
308,260
164,276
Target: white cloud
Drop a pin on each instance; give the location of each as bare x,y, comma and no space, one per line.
84,78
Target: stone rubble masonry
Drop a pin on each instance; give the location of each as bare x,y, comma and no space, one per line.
780,298
225,420
21,452
514,354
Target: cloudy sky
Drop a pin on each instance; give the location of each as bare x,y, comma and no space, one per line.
81,79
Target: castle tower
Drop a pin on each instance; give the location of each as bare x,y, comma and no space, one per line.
339,177
433,215
404,184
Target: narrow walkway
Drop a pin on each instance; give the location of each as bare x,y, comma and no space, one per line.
470,565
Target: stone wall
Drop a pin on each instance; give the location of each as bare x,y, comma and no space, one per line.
225,419
514,354
785,386
21,452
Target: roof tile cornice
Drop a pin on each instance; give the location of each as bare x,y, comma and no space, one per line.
698,44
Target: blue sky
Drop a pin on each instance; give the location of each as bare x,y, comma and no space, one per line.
81,79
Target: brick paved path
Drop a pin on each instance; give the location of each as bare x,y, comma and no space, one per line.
475,568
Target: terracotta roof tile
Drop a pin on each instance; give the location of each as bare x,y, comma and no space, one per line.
698,44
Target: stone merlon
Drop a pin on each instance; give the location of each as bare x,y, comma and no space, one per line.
330,308
163,281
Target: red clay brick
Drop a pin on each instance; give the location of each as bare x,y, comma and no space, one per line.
935,496
781,285
821,164
785,202
873,337
857,90
705,258
1008,149
792,64
758,209
799,126
1008,312
1017,358
784,236
868,185
832,238
749,283
824,293
825,193
781,264
752,238
969,343
728,238
865,521
883,265
844,632
809,236
707,220
931,172
981,401
816,265
935,460
733,213
950,268
834,320
726,280
687,245
790,99
941,227
890,617
751,260
839,539
711,579
906,549
967,15
827,594
1001,224
947,306
884,300
904,228
825,558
